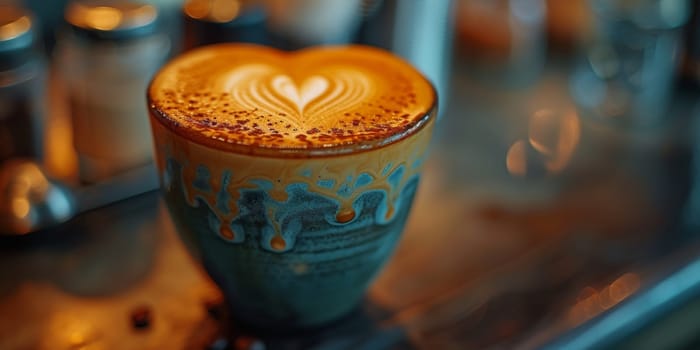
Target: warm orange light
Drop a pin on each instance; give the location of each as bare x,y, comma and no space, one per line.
60,158
34,180
516,159
15,28
197,9
593,302
221,11
103,18
552,136
555,136
20,207
71,331
224,10
624,286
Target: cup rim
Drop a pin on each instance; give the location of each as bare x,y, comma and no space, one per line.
316,151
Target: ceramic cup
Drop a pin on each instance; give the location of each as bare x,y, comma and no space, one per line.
292,231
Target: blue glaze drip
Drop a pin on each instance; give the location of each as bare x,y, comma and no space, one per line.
345,190
202,178
395,177
382,214
363,180
418,163
386,169
326,183
222,197
265,185
261,217
166,178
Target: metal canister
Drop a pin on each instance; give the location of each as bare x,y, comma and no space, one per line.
219,21
22,81
107,57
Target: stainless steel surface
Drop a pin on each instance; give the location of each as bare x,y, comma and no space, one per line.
531,221
30,201
646,321
77,286
122,186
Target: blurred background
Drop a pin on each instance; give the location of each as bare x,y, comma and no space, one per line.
559,208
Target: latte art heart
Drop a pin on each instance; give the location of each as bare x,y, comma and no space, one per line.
248,95
310,90
304,105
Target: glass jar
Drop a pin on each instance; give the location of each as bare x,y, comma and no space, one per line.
107,58
22,86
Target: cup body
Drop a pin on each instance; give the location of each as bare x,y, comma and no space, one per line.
293,241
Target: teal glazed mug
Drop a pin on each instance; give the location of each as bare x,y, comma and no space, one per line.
290,175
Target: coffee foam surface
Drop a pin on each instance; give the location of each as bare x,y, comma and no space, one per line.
248,95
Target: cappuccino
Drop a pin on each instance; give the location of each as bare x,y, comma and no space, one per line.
290,175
